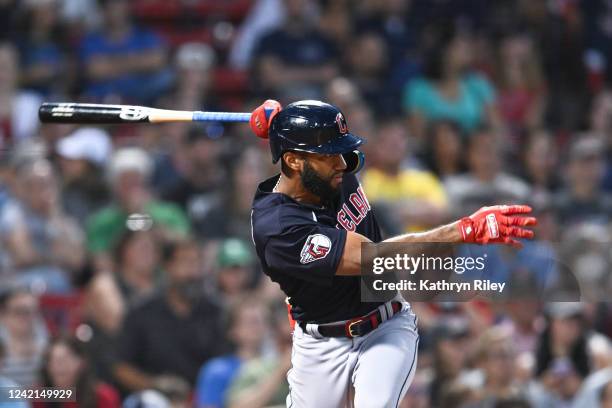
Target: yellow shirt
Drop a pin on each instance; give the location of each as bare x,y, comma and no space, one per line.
409,184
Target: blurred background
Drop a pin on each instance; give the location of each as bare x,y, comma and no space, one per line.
126,266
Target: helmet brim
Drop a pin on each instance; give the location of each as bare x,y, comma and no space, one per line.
341,145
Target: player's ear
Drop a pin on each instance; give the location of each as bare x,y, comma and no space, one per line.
293,161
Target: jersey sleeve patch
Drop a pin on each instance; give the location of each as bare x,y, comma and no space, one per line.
316,247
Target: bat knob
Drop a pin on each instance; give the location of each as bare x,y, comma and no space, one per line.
262,117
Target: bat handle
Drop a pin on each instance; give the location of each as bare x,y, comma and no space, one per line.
200,116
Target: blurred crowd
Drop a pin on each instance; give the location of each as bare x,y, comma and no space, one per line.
126,264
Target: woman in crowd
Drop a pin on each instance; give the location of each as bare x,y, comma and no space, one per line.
66,367
444,149
520,82
449,88
110,294
24,336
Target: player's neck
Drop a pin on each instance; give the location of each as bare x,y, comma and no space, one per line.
294,188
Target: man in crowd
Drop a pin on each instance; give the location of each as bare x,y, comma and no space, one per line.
123,60
166,339
134,208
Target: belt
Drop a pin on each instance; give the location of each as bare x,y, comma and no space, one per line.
359,326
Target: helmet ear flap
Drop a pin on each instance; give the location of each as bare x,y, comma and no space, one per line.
355,161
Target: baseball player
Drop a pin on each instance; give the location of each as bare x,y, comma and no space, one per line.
308,224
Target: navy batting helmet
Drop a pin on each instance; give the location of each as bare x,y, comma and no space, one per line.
314,127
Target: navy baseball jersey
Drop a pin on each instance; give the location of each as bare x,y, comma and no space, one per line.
300,247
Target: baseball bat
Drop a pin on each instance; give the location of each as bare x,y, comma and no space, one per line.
114,114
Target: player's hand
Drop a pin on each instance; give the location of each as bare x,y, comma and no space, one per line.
262,116
497,224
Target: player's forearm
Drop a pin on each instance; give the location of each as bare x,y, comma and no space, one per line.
352,259
448,233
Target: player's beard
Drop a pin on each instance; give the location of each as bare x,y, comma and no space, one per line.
319,186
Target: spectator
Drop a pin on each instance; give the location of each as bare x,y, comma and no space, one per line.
197,190
398,23
600,125
524,323
449,90
586,253
134,208
83,154
193,86
234,270
335,23
261,381
539,166
264,16
23,335
166,339
448,342
486,183
562,359
343,92
7,382
123,60
18,108
522,91
296,60
496,359
597,50
414,197
599,121
394,21
371,75
42,245
246,329
231,216
42,59
582,199
444,149
110,295
66,366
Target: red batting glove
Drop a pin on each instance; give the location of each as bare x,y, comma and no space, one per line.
497,224
262,116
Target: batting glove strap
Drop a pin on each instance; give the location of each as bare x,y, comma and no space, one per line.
466,229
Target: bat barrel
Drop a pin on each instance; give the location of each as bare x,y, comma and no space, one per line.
109,114
221,116
90,113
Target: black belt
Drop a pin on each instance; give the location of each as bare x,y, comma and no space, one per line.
359,326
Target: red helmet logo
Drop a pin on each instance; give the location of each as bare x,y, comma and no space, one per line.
342,127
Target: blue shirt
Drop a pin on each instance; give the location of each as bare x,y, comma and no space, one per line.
47,54
306,49
136,41
468,109
214,379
